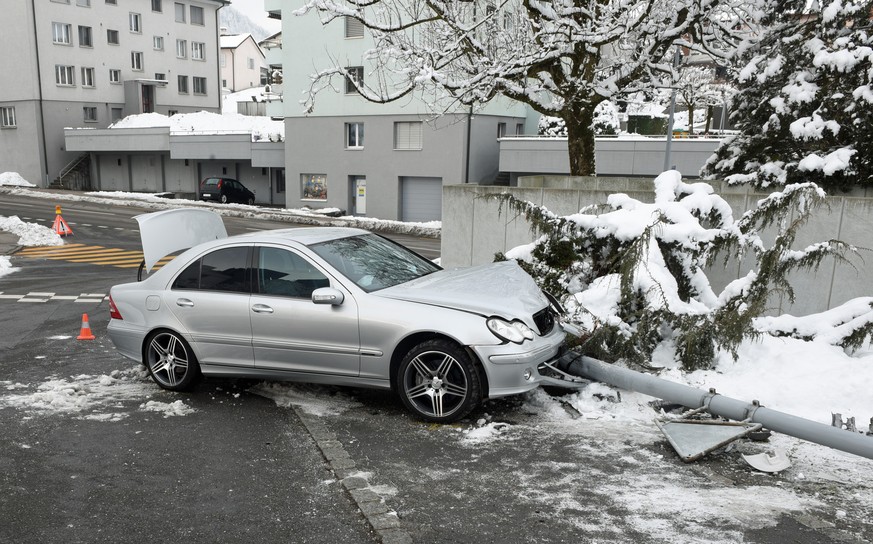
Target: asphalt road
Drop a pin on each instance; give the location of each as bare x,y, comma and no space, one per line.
92,451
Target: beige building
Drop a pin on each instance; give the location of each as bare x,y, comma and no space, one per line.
87,63
242,62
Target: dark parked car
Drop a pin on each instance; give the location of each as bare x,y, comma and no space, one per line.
225,190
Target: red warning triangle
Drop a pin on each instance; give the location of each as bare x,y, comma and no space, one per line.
61,227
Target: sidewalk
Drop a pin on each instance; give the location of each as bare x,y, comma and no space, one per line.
8,242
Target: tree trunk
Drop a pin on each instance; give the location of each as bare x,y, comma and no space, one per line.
580,141
690,118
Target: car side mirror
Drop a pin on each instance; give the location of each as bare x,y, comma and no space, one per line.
328,295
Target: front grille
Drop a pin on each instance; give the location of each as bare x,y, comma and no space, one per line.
544,320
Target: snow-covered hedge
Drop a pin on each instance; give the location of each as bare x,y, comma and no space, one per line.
633,274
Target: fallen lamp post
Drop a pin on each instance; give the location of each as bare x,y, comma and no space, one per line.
574,370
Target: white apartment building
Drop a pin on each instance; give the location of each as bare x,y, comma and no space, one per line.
87,63
383,160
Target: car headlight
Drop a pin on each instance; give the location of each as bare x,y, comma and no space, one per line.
510,331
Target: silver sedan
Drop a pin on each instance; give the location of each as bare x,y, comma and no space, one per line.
335,306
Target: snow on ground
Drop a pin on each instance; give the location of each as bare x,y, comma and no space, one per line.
99,398
29,234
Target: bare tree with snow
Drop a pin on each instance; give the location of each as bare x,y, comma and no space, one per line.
561,57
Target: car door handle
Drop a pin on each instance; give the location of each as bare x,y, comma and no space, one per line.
262,309
184,302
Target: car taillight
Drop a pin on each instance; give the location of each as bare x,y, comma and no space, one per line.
219,184
113,311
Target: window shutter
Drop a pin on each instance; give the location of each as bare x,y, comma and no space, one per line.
354,28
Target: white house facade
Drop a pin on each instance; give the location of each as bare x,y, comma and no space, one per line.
242,62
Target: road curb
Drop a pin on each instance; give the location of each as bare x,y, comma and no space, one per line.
374,507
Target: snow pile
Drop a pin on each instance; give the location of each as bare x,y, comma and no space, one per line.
168,409
261,128
14,179
93,397
30,234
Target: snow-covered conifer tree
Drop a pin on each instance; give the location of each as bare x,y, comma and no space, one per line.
805,108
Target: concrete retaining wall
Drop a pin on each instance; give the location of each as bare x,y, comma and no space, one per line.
473,231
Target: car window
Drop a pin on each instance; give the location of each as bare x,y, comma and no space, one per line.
373,262
285,273
211,182
222,270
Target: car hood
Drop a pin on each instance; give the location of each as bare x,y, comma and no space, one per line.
502,289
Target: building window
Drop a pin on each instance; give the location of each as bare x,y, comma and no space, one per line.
180,12
250,62
156,6
112,37
501,130
85,37
117,114
61,33
65,75
519,129
354,135
135,22
7,117
355,75
222,60
181,49
198,50
313,186
199,85
407,135
160,77
90,113
158,43
197,15
61,1
183,84
354,28
136,60
84,3
87,77
172,113
112,2
115,76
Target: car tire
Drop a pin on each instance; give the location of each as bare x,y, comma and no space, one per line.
170,361
224,199
438,382
250,201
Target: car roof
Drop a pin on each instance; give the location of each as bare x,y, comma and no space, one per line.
304,235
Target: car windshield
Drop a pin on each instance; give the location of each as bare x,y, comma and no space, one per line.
373,262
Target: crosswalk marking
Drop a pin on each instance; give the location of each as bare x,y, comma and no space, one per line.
81,253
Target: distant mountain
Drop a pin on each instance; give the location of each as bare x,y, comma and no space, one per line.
238,23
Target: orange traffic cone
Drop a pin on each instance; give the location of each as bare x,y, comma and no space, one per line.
85,334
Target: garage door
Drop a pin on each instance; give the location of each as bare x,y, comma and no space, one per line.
421,199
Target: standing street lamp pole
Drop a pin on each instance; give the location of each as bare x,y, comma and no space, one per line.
667,166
